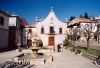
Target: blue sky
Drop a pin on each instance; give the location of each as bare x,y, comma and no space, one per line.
29,9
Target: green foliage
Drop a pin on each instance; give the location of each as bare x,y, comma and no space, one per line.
90,51
81,16
40,43
86,15
66,42
71,18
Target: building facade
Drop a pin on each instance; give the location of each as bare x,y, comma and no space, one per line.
83,25
51,30
16,25
4,29
98,29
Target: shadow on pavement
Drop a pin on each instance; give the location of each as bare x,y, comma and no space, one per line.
7,49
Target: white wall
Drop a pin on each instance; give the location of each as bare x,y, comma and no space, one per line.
6,21
56,23
25,34
12,21
93,24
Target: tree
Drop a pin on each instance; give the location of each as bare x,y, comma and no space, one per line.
66,42
81,16
87,31
71,18
30,35
40,43
86,15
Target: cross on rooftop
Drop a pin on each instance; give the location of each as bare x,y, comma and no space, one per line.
51,8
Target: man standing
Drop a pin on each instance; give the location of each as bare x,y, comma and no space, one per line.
58,46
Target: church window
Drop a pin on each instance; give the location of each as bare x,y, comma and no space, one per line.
60,30
42,30
51,29
1,21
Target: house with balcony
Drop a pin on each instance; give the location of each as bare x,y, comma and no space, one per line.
83,25
16,25
4,29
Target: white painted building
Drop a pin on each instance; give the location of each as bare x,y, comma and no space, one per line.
29,32
82,26
98,29
51,30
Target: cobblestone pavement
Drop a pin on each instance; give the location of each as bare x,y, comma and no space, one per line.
66,59
4,56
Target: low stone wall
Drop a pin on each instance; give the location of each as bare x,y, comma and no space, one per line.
45,50
89,56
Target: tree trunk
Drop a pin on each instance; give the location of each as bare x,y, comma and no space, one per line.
88,45
73,42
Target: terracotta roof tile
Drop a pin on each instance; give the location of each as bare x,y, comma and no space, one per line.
79,20
24,21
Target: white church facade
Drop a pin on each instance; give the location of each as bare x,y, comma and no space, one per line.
50,29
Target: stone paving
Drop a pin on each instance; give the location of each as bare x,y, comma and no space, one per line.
4,56
66,59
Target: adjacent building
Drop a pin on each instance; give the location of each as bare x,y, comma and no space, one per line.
97,34
83,25
4,29
16,25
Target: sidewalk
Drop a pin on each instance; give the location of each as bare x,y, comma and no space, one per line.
66,59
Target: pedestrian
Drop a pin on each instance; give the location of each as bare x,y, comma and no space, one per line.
61,50
58,46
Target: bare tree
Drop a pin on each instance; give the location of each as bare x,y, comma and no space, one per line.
31,34
72,35
87,31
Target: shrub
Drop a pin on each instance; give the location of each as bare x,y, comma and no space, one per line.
90,51
66,42
40,43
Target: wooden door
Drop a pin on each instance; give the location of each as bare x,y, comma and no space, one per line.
51,41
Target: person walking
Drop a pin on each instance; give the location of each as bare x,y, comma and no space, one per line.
61,50
58,46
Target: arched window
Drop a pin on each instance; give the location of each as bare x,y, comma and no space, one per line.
42,30
60,30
